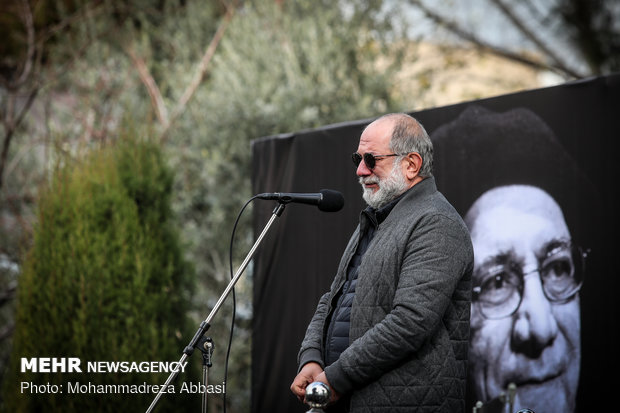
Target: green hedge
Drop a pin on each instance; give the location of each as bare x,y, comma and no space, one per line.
104,281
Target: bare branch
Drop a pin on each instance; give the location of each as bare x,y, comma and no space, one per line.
88,10
26,15
485,46
10,125
201,70
29,74
157,100
533,38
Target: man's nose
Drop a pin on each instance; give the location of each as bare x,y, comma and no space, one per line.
535,326
362,169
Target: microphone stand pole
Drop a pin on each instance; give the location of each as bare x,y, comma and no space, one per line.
204,326
207,352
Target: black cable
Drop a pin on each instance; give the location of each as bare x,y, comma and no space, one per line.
234,297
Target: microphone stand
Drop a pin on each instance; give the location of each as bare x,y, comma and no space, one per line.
204,326
207,352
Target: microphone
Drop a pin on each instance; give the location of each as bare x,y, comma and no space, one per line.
326,200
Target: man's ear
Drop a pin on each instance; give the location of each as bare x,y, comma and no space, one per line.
414,164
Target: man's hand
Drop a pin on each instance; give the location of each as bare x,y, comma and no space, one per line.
307,375
323,379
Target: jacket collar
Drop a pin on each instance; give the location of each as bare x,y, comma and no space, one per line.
413,196
421,189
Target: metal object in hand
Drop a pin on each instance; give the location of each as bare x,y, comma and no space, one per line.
317,395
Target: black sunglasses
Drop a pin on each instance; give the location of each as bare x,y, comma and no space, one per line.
370,160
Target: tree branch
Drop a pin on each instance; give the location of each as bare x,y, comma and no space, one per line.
485,46
157,100
10,125
201,70
26,15
10,122
534,39
91,9
29,73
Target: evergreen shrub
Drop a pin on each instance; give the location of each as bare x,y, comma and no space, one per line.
105,280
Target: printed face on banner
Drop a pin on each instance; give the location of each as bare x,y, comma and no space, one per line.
525,319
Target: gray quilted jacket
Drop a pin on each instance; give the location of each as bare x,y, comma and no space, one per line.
410,316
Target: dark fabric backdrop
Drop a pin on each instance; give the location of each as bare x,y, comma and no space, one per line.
573,124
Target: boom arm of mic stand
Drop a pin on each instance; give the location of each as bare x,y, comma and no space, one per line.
204,326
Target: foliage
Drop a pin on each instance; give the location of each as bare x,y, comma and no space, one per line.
104,280
277,70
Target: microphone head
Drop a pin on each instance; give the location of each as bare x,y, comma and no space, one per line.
331,200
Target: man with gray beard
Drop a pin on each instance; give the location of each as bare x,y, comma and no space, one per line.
392,332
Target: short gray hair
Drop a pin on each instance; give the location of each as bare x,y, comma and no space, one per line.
409,136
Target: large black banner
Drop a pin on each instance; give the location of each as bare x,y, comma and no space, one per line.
535,176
